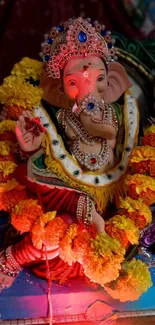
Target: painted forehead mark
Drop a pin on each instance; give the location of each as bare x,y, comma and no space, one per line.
85,68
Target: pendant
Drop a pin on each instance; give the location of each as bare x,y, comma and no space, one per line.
91,161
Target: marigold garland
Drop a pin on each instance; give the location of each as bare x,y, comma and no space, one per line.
142,160
25,214
7,167
28,68
142,153
101,257
123,229
140,186
133,284
106,246
101,270
15,91
66,252
11,193
4,148
149,140
7,125
137,211
48,230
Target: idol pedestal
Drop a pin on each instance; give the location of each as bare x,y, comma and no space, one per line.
27,299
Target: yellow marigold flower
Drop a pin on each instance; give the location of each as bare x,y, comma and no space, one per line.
105,246
101,270
4,148
142,182
136,205
149,130
67,254
133,284
24,215
28,68
142,153
10,185
7,167
126,224
15,91
7,125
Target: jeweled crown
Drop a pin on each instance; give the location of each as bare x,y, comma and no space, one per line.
75,38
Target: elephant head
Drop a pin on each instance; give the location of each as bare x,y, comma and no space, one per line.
81,62
81,77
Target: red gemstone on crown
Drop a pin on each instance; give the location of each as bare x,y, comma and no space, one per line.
93,160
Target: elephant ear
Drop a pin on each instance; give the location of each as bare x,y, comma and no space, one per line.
52,92
118,82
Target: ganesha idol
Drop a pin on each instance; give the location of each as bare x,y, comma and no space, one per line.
77,156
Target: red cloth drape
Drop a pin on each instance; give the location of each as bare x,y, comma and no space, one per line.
60,200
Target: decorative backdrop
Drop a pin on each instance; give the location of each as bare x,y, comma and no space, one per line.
24,22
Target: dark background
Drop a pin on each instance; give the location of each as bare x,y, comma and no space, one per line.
23,23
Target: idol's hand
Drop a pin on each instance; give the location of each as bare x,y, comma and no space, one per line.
97,221
29,134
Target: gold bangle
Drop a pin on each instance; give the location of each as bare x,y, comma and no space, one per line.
88,216
80,208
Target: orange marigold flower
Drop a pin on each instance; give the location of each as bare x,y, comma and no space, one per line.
141,186
122,229
148,196
152,168
149,140
138,219
136,210
48,230
141,167
131,285
9,199
99,270
81,245
118,234
25,214
131,192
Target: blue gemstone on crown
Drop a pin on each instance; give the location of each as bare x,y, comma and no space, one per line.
60,28
82,37
49,40
103,32
46,57
110,45
90,105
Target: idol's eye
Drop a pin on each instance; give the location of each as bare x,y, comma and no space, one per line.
101,78
71,83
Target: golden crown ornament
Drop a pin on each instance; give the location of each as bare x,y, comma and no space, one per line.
76,38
